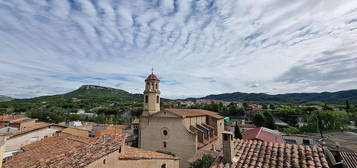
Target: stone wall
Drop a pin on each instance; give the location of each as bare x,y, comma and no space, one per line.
178,140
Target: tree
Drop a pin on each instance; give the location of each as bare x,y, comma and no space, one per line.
204,162
237,133
268,120
258,120
245,106
327,107
291,130
347,105
232,109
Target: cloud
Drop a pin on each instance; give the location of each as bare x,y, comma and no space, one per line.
196,47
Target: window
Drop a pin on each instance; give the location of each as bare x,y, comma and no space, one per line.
146,99
165,144
157,99
164,132
306,142
104,161
156,86
163,165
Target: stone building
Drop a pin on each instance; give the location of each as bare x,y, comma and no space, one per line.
182,132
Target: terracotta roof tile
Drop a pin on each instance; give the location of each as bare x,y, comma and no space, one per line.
261,134
152,77
259,154
349,159
193,112
42,150
25,130
84,154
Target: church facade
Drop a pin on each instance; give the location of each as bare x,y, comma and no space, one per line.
182,132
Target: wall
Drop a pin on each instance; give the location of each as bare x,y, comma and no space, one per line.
194,120
179,140
16,142
112,161
24,124
2,148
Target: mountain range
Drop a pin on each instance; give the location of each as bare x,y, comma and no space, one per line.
92,95
339,97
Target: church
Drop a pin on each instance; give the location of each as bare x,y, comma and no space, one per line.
182,132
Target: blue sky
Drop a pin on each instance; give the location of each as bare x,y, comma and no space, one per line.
196,47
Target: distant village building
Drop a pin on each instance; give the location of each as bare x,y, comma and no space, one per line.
182,132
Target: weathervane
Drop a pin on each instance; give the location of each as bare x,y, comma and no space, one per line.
152,70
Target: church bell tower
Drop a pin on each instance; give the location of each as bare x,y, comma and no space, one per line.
151,95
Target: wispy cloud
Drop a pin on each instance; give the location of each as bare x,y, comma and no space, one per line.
196,47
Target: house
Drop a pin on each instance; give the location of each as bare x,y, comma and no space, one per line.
245,153
263,134
106,151
182,132
21,137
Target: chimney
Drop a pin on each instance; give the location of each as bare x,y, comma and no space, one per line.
228,151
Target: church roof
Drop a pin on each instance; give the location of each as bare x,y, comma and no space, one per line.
152,77
193,113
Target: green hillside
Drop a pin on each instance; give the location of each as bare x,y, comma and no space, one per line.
5,98
86,97
325,97
108,103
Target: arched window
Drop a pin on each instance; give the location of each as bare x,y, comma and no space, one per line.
163,165
104,161
165,144
157,99
146,99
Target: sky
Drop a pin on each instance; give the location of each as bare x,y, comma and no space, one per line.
196,47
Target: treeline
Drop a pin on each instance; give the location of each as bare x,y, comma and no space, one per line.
230,110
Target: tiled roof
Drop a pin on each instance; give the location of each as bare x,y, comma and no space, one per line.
349,159
152,77
193,112
131,153
84,154
39,125
43,150
262,134
258,154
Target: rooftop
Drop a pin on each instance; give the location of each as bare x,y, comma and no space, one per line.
43,150
258,154
8,118
263,134
193,113
349,159
73,151
38,125
152,77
